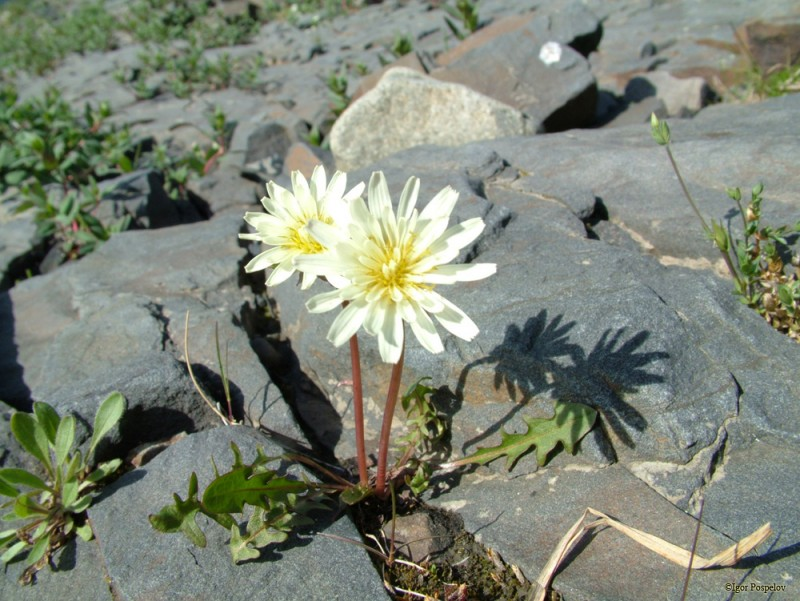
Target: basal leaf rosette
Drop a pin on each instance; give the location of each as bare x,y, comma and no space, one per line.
284,225
390,265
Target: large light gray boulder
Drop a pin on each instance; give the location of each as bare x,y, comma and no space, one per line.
408,109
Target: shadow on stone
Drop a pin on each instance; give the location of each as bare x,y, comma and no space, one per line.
540,358
214,388
13,389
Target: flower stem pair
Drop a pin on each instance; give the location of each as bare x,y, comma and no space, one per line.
381,487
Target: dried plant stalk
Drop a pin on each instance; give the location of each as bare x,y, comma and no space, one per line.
673,553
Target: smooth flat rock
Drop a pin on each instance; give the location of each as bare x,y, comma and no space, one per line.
147,565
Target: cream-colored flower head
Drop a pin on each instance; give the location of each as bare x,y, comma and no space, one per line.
390,264
283,226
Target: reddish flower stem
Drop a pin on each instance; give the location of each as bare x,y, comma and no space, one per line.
386,427
358,410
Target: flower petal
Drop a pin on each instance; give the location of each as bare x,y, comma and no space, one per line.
455,321
408,199
378,194
322,303
426,333
347,323
450,274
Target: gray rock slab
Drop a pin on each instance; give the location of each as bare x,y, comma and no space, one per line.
78,574
146,565
407,109
524,518
17,239
509,67
91,327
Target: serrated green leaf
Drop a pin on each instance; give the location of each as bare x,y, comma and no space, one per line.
48,419
65,436
173,519
31,435
240,551
570,423
181,516
13,475
108,414
231,491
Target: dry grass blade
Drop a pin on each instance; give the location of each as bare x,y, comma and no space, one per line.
191,373
673,553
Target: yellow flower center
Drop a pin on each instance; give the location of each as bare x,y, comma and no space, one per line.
391,276
300,239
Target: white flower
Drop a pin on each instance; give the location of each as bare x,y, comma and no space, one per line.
284,225
391,264
550,53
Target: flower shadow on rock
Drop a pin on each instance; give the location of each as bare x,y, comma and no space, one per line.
540,359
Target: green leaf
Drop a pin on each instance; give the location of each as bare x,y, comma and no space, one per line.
108,415
19,476
784,294
38,551
356,494
31,435
230,492
85,532
26,507
6,536
104,470
7,490
69,494
65,436
570,423
240,551
13,551
79,505
48,418
181,516
75,465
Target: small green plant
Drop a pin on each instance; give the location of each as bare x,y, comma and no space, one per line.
67,219
277,505
426,427
43,139
401,46
466,12
337,91
754,262
758,83
53,508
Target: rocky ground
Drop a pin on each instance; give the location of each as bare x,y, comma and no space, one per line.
606,293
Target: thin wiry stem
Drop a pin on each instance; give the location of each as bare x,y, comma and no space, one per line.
358,410
386,427
686,190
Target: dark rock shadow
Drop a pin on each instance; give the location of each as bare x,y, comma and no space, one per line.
13,389
214,388
540,358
